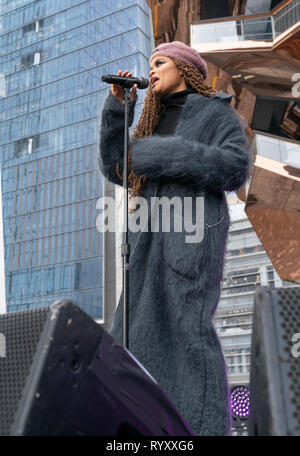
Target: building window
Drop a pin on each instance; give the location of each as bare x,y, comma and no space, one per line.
271,280
241,281
241,231
2,88
34,27
26,146
77,275
239,319
238,360
28,60
214,9
237,352
245,250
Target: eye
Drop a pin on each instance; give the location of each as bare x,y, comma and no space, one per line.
157,63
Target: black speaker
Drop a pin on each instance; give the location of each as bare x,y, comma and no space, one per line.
275,363
63,374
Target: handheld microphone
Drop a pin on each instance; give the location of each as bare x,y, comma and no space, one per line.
142,83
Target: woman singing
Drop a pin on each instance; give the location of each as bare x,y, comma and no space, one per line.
188,144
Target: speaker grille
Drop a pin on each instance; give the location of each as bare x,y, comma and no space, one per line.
22,331
288,324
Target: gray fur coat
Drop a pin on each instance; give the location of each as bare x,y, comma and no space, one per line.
174,286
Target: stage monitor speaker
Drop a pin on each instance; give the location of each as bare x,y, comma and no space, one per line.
63,374
275,363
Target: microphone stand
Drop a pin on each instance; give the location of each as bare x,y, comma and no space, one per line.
125,247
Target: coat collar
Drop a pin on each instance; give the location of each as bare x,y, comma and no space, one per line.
196,104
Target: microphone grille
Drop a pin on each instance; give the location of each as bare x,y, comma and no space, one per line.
144,83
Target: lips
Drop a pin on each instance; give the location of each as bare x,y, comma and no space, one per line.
153,80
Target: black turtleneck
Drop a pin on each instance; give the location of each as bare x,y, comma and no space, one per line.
174,103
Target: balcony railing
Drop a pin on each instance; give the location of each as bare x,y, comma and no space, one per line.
286,17
264,27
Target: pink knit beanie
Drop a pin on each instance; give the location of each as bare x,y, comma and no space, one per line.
182,52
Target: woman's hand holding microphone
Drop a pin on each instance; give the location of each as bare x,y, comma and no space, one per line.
118,91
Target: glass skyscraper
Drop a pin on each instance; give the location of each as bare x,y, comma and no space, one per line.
53,54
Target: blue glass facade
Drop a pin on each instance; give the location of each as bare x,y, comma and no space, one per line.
52,56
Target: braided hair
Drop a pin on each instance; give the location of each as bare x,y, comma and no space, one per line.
152,111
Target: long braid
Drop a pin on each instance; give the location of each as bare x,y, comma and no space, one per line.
153,110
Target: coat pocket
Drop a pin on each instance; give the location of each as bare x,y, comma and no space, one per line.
184,258
184,244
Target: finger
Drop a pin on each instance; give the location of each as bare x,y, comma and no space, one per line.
133,91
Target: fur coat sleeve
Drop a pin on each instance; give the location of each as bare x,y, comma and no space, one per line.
221,163
112,137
